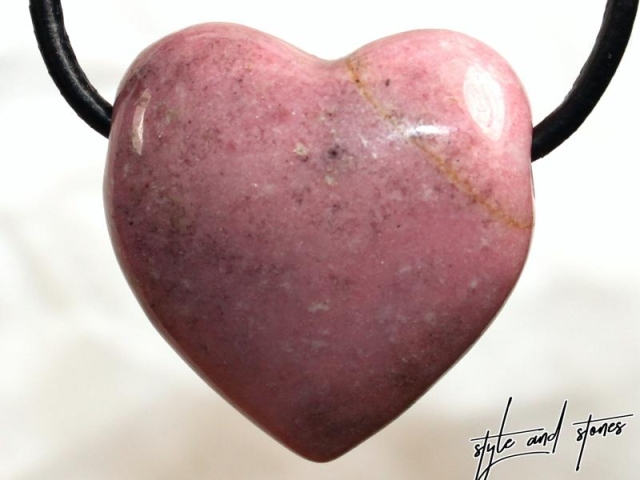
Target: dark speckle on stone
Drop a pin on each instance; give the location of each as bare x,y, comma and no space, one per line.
387,82
336,152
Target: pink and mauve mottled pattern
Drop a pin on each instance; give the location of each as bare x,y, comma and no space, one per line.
320,240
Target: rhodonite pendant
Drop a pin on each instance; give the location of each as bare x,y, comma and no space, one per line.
320,240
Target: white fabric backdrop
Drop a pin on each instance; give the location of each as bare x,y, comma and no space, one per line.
89,390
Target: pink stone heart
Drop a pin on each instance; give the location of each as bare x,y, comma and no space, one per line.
320,240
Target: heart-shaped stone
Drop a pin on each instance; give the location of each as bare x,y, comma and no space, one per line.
320,240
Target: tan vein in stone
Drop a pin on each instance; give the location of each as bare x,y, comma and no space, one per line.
449,172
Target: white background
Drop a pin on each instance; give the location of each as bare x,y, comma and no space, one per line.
89,390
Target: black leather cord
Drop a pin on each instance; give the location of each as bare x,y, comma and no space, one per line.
63,67
593,80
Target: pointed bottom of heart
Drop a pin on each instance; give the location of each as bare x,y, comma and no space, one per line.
320,240
331,410
324,415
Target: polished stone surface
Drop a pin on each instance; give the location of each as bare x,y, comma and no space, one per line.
320,240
